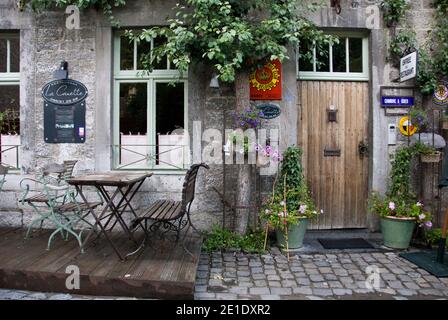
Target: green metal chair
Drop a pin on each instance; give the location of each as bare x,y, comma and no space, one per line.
56,202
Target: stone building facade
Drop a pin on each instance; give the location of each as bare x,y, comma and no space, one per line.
90,51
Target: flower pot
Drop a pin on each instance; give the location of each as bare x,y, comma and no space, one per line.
397,231
296,233
431,158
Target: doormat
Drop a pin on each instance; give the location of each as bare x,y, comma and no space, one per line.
427,260
347,243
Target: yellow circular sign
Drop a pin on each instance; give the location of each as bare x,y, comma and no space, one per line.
406,127
265,78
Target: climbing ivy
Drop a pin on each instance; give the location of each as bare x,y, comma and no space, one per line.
393,11
105,5
231,35
433,55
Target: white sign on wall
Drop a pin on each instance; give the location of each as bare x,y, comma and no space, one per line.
408,66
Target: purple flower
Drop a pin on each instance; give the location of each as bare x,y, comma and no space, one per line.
428,224
391,205
422,216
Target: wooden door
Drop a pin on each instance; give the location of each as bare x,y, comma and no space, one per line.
338,181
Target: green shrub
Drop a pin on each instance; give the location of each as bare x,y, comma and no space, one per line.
223,239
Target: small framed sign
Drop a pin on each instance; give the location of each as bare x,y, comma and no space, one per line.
408,67
390,101
440,96
270,111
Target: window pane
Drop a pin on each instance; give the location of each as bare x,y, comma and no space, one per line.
339,56
3,55
305,57
126,54
15,55
323,59
133,137
133,108
10,108
163,64
355,54
169,116
143,49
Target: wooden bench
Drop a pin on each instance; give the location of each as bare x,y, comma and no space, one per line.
171,215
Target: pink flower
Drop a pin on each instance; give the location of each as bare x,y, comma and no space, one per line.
391,205
419,204
422,216
302,208
428,224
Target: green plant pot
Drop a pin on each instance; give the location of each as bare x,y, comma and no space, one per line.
296,233
397,232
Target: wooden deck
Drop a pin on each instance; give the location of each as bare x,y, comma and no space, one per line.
163,270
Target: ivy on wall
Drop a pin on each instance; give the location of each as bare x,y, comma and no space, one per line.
228,34
433,55
233,35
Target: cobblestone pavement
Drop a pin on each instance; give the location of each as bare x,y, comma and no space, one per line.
306,276
314,277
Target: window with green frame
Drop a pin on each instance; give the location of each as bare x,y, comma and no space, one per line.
9,98
150,110
346,60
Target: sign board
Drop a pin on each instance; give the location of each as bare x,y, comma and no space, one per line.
64,92
64,111
440,96
408,66
266,82
390,101
406,127
270,111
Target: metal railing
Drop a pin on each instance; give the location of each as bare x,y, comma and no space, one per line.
150,156
9,156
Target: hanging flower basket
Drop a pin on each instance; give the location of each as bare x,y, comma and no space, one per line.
431,157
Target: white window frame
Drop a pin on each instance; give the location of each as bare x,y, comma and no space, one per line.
9,78
151,79
342,76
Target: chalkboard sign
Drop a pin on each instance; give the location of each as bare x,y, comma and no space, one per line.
64,111
270,111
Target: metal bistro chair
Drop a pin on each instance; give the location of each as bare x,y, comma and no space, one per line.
172,215
3,172
53,174
56,202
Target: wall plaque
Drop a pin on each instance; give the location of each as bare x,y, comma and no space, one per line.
64,111
270,111
266,82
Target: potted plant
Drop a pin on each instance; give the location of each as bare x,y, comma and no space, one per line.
399,210
398,219
291,205
419,118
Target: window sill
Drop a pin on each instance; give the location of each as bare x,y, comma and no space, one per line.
155,171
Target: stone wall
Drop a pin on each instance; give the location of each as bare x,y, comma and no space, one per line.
45,42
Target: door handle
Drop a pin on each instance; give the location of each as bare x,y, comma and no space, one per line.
363,149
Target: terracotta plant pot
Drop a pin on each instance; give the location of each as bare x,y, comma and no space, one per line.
397,231
296,233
